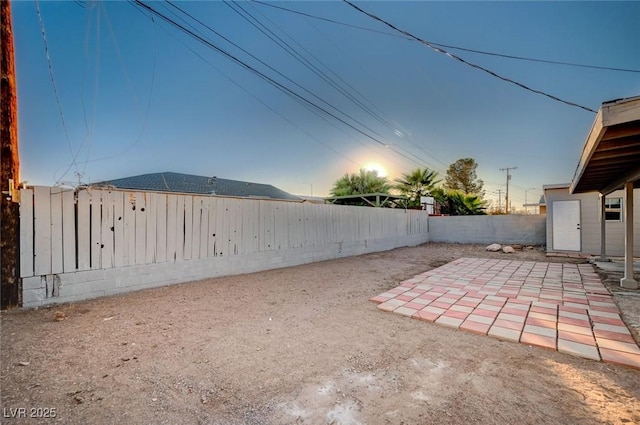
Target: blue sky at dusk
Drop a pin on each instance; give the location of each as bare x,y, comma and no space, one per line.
139,96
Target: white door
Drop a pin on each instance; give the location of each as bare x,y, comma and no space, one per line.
566,225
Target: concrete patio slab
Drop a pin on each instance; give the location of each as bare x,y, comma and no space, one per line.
562,307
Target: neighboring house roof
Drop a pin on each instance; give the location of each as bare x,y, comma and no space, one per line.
189,183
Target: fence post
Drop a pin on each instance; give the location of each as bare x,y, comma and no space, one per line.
10,286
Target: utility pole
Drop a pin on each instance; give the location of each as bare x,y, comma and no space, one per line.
9,167
506,196
499,200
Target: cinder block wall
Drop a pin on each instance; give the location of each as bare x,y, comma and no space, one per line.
82,285
487,229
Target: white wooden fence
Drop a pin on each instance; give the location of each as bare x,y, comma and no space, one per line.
64,233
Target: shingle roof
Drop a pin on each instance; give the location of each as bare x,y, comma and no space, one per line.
189,183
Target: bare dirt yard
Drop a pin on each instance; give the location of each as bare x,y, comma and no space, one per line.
301,345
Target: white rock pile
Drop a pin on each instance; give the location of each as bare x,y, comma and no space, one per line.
495,247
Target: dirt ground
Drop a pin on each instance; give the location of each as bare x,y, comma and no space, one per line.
301,345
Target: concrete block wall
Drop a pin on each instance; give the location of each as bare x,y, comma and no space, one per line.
82,285
487,229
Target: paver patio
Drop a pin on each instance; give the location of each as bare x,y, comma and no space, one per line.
563,307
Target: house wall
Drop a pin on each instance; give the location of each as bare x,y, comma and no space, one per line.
91,243
487,229
590,222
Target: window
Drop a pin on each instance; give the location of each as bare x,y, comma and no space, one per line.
613,209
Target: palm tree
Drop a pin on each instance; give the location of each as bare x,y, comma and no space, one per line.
365,181
456,202
420,182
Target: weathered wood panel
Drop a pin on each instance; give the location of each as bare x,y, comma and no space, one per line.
247,227
84,230
68,231
222,227
107,230
211,231
151,231
96,228
119,238
266,225
196,223
180,228
26,233
56,231
129,228
42,230
188,227
234,215
140,227
161,228
203,237
172,202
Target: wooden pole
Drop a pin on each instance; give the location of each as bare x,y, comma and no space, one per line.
10,284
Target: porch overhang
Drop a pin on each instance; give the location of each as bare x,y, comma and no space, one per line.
610,160
611,154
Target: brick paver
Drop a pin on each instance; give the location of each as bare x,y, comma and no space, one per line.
563,307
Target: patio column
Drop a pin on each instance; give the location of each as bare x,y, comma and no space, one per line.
603,228
628,281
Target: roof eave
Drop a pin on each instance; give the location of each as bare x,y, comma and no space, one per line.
593,139
610,115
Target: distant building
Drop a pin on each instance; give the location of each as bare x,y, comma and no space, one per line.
538,208
200,185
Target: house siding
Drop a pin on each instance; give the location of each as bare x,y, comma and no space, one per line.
590,222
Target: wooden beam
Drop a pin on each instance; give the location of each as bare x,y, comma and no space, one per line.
631,129
631,176
629,151
10,283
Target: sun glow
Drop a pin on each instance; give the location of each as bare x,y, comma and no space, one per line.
373,166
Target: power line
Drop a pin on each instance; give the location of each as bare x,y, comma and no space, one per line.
395,127
340,88
297,12
55,91
308,64
265,104
273,69
458,58
271,81
448,46
524,58
126,75
95,95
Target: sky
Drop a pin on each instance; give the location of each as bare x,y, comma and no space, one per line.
126,93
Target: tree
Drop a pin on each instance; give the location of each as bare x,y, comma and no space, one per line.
461,175
365,181
420,182
456,202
